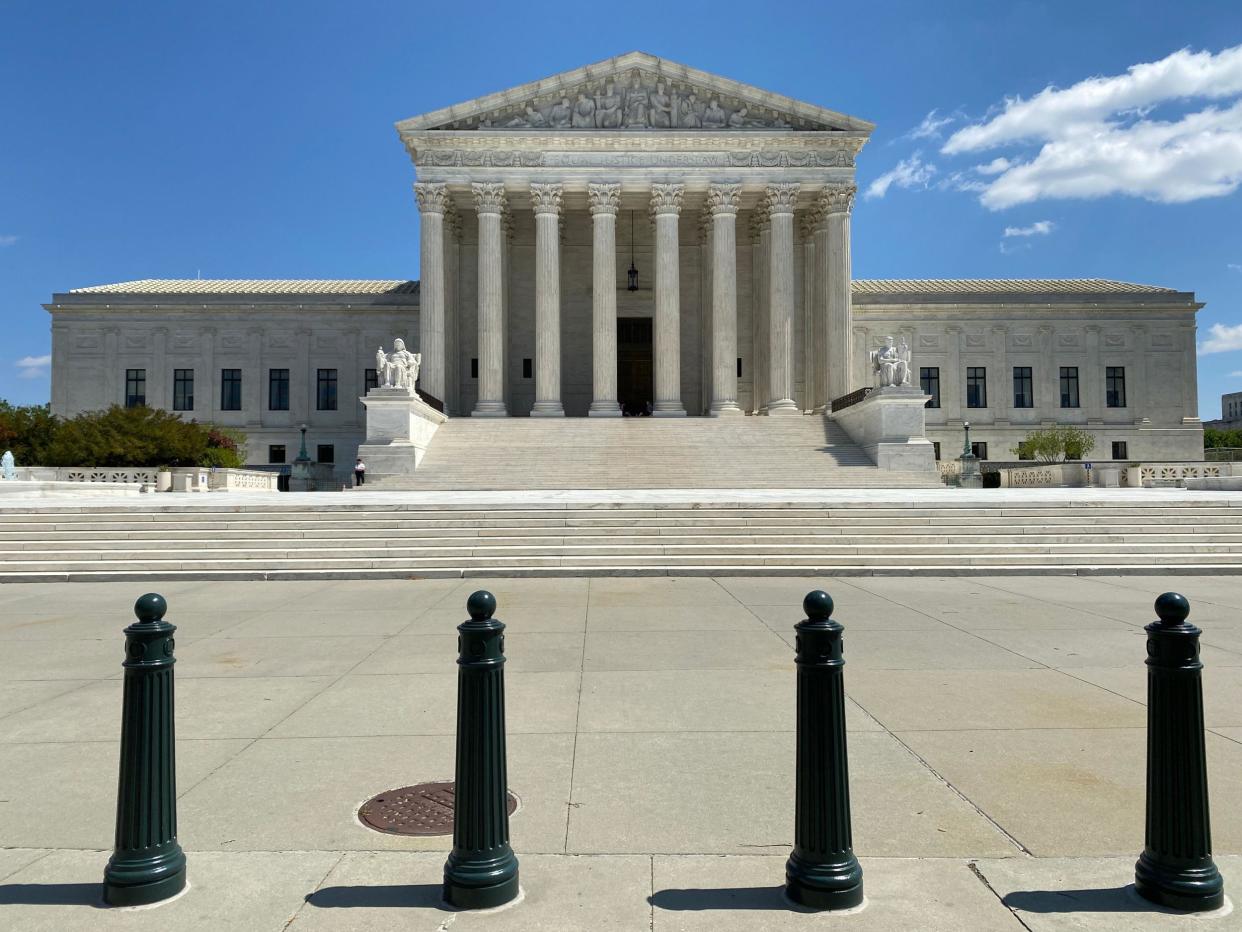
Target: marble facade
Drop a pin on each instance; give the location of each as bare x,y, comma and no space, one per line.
733,206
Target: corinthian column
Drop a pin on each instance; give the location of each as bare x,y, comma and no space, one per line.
546,200
666,205
604,199
820,273
489,201
837,201
433,201
722,201
781,200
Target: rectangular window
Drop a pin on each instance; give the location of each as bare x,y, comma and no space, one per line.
1069,386
1115,379
135,387
278,389
739,367
326,453
929,380
976,387
1121,450
936,448
979,448
526,368
183,389
275,452
370,380
230,389
1023,387
474,368
325,391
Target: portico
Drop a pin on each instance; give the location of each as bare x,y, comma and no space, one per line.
534,210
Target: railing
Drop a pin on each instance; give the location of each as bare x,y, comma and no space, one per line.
430,400
840,404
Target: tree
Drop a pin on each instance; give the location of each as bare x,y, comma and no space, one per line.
1053,444
138,436
28,431
1216,437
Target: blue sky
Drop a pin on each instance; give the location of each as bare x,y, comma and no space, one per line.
255,140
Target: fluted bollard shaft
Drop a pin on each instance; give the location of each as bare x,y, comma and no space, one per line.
822,872
1176,867
147,863
481,871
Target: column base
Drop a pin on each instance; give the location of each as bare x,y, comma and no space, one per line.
668,409
782,408
726,409
489,409
604,409
547,409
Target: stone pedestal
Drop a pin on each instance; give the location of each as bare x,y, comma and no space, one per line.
399,429
889,425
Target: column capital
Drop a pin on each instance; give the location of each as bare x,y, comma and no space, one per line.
705,227
780,198
723,198
666,198
837,198
432,198
546,198
604,198
489,196
812,222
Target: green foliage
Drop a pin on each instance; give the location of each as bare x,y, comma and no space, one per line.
28,431
138,436
226,448
1215,437
1053,444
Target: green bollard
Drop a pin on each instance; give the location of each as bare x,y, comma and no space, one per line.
1176,867
822,872
147,864
481,872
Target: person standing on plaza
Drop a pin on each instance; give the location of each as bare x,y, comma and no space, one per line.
360,471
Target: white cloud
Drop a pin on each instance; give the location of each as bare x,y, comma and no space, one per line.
908,173
1236,374
1097,137
1222,340
931,126
1038,228
1234,266
33,367
7,239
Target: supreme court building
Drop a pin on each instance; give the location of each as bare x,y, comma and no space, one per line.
637,235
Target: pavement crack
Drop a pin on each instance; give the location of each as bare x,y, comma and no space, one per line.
974,869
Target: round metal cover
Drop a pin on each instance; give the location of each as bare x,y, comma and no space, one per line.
422,809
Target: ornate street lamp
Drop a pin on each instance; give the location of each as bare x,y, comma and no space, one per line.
632,274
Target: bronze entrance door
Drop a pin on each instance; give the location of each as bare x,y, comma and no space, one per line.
635,369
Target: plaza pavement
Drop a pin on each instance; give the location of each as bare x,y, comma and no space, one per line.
996,750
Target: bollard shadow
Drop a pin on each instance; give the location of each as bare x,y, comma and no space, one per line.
52,894
698,899
1101,900
400,896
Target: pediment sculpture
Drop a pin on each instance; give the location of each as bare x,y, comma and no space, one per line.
645,101
398,369
891,364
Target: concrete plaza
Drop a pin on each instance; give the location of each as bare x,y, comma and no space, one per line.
996,750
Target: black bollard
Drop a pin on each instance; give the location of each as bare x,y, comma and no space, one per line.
1176,867
147,864
481,871
822,872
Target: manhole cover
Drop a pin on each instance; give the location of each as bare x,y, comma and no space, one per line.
422,809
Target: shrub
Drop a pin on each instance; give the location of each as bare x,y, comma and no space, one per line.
1215,437
139,436
28,431
1053,444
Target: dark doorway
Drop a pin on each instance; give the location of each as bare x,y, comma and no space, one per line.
635,375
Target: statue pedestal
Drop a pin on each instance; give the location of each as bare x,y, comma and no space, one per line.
399,429
889,425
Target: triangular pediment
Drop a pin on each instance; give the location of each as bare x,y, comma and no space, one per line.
636,92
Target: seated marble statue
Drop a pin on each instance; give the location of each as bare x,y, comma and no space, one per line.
561,113
661,108
608,108
714,115
584,112
891,364
398,369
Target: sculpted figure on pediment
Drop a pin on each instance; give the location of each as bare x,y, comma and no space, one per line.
689,112
636,103
661,108
560,113
714,115
608,108
584,112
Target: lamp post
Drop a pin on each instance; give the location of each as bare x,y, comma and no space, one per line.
970,477
300,473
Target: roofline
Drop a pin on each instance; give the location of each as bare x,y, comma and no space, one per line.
1123,299
560,80
253,299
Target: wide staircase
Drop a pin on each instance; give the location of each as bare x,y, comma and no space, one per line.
648,453
325,537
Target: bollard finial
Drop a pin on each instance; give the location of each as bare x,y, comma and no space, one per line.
481,605
150,607
1172,608
817,605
